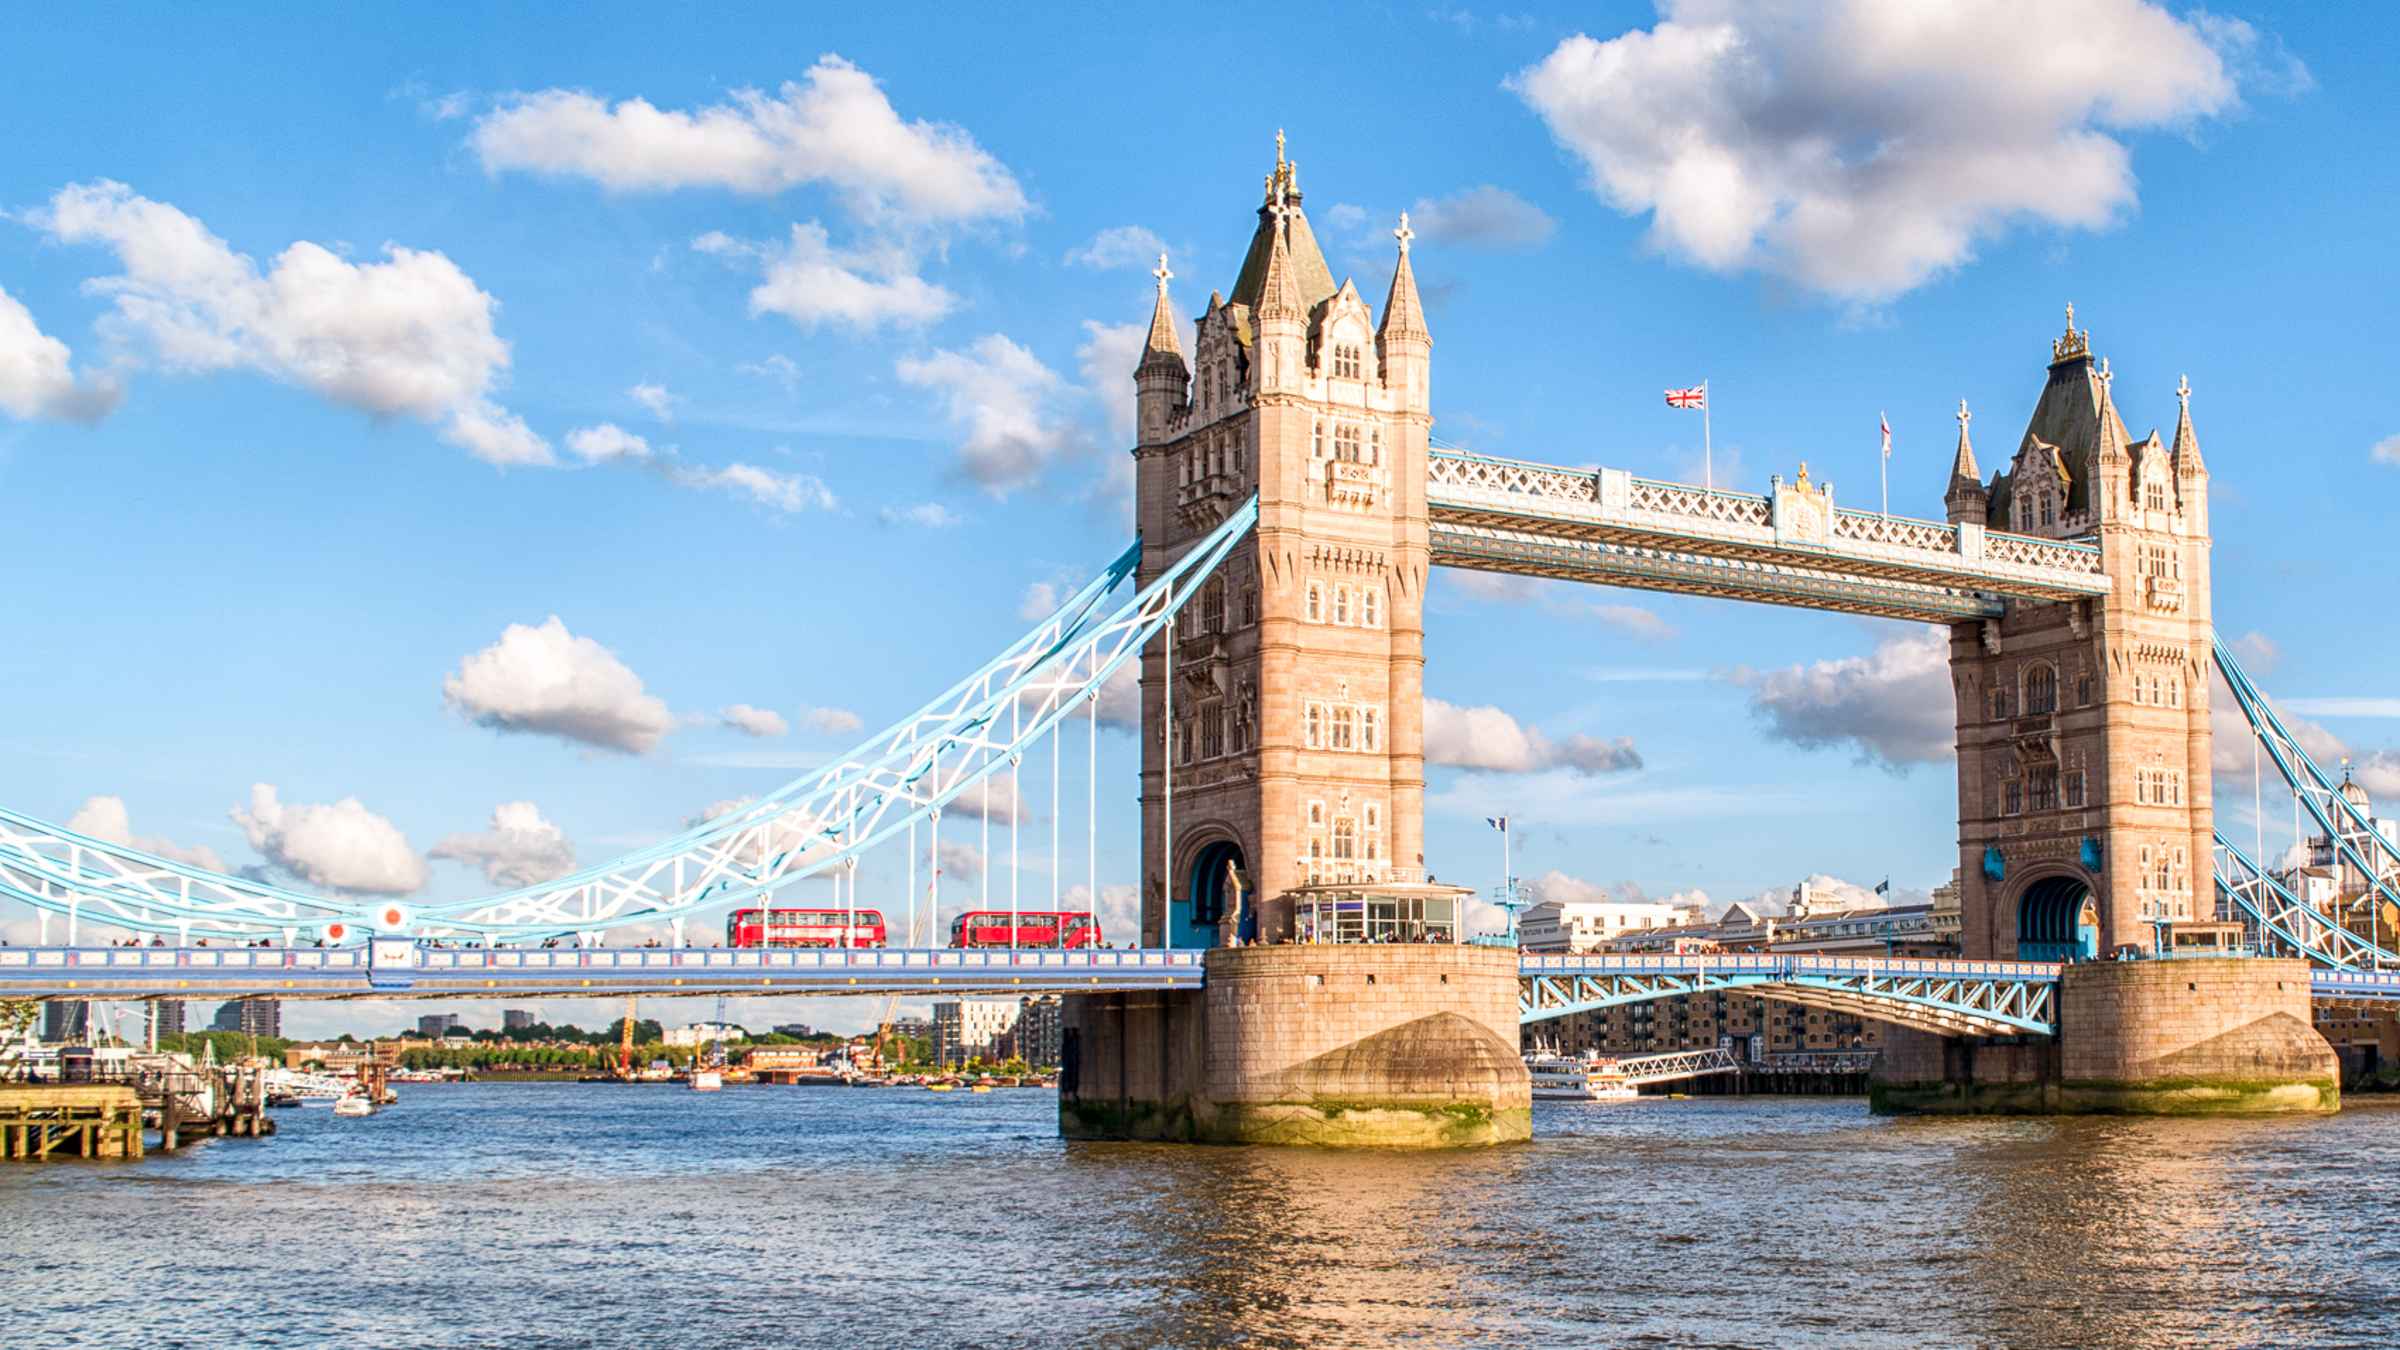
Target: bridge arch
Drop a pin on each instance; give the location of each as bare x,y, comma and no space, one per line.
1201,880
2058,917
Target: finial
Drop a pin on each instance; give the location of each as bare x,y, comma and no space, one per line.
2183,392
1279,147
2072,343
1964,416
1404,234
1162,273
1804,475
2070,303
2105,376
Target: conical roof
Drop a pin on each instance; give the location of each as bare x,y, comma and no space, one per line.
1280,220
1963,473
1403,313
1161,346
2187,441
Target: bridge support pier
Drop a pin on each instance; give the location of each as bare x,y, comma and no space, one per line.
2202,1036
1335,1046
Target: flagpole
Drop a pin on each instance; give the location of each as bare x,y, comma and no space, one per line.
1885,461
1708,453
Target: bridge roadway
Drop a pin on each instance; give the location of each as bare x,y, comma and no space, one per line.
1953,997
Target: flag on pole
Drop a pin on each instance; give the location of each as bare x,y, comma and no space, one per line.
1499,823
1694,397
1884,887
1886,424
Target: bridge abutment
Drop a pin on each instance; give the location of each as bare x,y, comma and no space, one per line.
1395,1046
2196,1036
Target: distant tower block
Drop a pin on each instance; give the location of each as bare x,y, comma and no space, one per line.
1299,673
2083,732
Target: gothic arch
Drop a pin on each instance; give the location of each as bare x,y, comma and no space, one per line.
2056,914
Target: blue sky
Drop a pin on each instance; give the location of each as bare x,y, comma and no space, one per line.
828,377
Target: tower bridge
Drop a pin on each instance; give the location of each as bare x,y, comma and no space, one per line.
1290,505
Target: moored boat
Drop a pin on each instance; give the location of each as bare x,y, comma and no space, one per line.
1569,1078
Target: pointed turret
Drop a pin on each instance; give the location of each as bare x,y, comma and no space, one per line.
1278,294
1967,498
1162,379
1402,345
2110,448
2187,441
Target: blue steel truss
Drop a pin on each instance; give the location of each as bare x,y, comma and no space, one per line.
2279,920
889,783
1953,998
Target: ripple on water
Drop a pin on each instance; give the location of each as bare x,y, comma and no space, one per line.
597,1215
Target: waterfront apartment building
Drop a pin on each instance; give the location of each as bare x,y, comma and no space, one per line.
65,1022
701,1033
1582,925
1038,1032
162,1017
250,1017
514,1020
435,1026
973,1028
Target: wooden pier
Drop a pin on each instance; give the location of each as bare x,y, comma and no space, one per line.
107,1117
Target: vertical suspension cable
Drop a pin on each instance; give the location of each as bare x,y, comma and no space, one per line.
912,884
986,868
1058,751
933,875
1166,840
1091,806
1016,814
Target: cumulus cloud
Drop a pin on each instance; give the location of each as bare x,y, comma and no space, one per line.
1860,149
922,515
774,366
1489,739
520,848
408,336
1106,360
37,377
1482,217
990,798
754,721
1120,699
547,681
1040,601
794,829
1000,396
108,820
2385,451
1828,893
809,281
655,398
1633,619
2230,738
342,847
2379,773
836,127
960,859
790,493
1893,706
1120,246
832,721
605,442
1120,909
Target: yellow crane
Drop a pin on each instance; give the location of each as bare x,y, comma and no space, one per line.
625,1044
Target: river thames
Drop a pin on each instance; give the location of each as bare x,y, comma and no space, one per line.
540,1216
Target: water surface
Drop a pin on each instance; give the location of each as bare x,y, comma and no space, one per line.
552,1215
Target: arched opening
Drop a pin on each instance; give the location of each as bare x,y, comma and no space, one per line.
1211,890
2058,920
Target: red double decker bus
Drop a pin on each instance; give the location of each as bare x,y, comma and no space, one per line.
804,928
1068,929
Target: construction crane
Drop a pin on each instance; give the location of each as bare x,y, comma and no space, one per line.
625,1044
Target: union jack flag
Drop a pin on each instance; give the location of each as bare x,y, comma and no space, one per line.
1694,397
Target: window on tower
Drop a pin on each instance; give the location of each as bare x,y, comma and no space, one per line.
1370,608
1316,438
1345,361
1316,603
1341,605
2041,690
1345,441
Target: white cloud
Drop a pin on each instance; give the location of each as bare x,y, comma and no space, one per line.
1106,360
2258,652
343,847
1000,395
1120,698
1633,619
794,829
1482,217
775,366
107,819
754,721
37,378
924,515
837,128
656,398
2372,706
810,282
1489,739
2386,451
1040,601
2230,738
1859,148
959,859
1119,246
1004,807
1120,910
520,848
410,335
1894,705
832,721
607,441
547,681
787,492
2379,773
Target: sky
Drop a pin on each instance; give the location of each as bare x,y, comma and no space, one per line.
440,453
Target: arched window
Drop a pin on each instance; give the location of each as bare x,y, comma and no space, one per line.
1249,605
2045,508
1316,603
1341,605
1374,445
1316,438
1370,608
1369,736
1344,725
1316,725
2041,690
1345,838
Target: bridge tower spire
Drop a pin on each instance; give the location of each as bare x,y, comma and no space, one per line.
2083,731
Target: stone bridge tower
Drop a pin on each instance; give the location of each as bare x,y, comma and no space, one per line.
2083,727
1297,709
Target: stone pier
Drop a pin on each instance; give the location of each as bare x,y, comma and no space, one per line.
1342,1046
2194,1036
